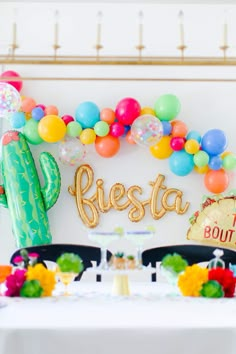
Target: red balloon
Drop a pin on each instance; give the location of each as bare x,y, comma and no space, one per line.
127,110
17,84
216,181
107,146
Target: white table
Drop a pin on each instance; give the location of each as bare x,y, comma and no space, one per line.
152,320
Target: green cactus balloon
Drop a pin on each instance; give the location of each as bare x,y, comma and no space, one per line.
21,192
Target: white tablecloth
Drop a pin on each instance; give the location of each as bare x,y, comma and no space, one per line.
153,320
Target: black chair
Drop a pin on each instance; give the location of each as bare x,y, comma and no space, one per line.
192,253
53,251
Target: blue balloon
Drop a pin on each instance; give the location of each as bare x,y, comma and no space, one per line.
167,127
193,134
127,128
87,114
214,142
215,162
181,163
37,113
18,120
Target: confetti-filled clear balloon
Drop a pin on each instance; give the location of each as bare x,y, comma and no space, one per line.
146,130
71,151
10,100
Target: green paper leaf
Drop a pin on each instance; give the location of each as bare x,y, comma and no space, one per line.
212,289
31,288
70,262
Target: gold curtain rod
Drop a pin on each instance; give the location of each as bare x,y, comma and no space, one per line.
116,79
117,60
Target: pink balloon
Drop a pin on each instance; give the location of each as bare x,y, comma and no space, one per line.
177,143
67,119
127,110
17,84
41,106
117,129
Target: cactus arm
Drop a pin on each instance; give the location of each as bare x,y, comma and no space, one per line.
51,175
3,198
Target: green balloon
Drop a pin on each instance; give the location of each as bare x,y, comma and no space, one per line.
167,107
74,129
101,128
201,158
30,132
229,162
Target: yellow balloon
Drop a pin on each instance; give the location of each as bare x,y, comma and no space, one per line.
192,146
201,170
28,116
147,110
51,128
225,153
88,136
162,150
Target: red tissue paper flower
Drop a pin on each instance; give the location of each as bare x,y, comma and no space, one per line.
225,278
14,282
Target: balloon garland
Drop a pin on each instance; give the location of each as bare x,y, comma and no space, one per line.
154,128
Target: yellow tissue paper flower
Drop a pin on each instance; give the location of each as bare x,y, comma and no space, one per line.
46,278
190,282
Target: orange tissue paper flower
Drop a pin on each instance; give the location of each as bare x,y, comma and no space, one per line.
190,282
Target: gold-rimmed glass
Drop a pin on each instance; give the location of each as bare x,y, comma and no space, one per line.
66,278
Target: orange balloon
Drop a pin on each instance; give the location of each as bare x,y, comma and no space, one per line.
107,115
51,128
28,104
129,138
216,181
162,150
51,110
179,129
107,146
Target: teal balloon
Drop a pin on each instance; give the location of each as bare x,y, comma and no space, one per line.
167,107
201,158
193,134
17,120
87,114
101,128
73,129
30,132
181,163
229,162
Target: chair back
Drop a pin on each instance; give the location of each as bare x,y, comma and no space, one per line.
53,251
192,253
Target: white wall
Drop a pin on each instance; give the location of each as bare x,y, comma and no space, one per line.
205,105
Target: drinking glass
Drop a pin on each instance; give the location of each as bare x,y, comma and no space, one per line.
103,238
139,238
66,279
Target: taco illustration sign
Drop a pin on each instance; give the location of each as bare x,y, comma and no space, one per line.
215,223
